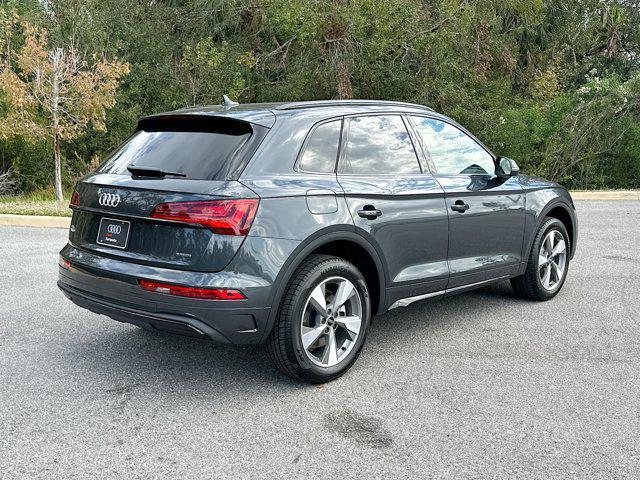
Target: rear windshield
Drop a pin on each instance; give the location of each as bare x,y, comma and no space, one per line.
202,149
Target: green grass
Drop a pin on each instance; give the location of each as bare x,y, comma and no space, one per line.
34,203
43,194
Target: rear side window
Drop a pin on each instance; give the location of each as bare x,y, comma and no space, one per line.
321,151
208,149
451,150
378,145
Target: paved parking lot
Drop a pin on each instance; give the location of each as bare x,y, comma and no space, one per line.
478,385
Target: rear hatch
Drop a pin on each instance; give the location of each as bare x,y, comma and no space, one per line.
182,206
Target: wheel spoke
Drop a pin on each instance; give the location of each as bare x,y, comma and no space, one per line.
330,356
542,260
351,324
546,279
548,243
559,248
557,271
318,300
344,293
310,335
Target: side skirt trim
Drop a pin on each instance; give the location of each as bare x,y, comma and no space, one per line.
403,302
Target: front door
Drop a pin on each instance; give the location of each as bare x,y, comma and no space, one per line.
486,213
398,208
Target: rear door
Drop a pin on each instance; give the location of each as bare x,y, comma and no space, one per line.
399,208
114,208
486,213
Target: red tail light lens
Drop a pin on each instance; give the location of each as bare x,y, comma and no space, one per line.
64,263
75,199
226,217
192,292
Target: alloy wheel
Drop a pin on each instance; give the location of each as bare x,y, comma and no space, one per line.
552,260
331,321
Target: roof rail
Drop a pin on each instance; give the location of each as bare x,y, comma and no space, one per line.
333,103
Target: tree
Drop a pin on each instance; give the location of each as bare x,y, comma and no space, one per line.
210,71
54,93
512,71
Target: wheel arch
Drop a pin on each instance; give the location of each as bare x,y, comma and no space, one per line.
333,241
561,212
565,213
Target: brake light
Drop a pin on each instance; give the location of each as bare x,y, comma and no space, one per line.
75,199
64,263
192,292
226,217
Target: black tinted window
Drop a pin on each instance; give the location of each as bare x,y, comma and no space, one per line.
379,145
321,150
203,151
452,150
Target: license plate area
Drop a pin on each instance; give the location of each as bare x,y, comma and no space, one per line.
114,233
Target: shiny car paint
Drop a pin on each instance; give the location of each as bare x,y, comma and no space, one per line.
419,246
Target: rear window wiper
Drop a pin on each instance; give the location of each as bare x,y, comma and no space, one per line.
152,172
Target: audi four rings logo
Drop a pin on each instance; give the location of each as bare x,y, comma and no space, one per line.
114,229
109,199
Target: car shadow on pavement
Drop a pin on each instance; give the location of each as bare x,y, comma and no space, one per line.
445,315
122,350
125,351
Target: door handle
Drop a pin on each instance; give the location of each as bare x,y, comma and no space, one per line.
369,212
460,206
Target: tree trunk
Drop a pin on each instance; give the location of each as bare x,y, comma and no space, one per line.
343,87
58,176
55,103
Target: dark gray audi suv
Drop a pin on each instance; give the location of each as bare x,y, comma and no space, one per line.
292,224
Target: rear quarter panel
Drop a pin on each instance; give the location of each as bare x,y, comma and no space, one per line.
287,202
293,205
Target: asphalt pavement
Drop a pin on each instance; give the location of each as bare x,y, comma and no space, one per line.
480,385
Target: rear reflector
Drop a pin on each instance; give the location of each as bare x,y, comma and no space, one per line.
225,217
192,292
64,263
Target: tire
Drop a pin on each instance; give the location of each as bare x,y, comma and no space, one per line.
299,314
531,285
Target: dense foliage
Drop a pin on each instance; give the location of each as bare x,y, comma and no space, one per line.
554,84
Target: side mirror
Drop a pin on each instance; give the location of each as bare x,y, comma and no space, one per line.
507,168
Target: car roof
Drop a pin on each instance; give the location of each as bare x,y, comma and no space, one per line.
265,113
347,103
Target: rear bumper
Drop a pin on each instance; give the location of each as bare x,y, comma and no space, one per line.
179,324
113,291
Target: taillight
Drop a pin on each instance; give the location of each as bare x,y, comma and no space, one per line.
226,217
64,263
75,199
192,292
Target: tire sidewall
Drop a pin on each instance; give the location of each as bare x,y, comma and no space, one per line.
336,267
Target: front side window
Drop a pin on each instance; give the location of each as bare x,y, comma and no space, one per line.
321,151
378,145
452,151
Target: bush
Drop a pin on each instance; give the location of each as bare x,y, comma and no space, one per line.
555,85
7,183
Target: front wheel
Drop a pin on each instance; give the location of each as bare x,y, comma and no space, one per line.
322,322
548,263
